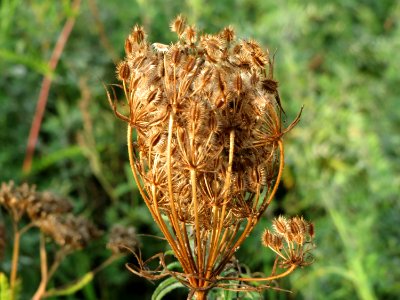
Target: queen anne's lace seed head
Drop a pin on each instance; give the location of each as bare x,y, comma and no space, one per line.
210,93
207,152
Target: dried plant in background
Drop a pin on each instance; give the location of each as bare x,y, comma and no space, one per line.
15,199
52,215
122,239
205,144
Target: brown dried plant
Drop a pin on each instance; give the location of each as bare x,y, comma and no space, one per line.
204,142
51,214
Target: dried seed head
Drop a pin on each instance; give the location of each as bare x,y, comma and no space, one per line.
160,47
45,204
213,46
228,34
270,85
178,25
207,129
311,230
190,35
138,35
281,226
69,231
16,199
128,46
175,55
292,241
123,71
122,239
267,238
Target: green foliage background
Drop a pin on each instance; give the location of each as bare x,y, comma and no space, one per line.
339,58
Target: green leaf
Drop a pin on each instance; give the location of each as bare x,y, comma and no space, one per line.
165,287
48,160
73,288
35,64
5,291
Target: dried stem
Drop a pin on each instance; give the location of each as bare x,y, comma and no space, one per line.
45,88
43,268
15,257
269,278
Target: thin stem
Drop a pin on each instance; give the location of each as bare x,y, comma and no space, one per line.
15,257
174,219
209,266
196,223
60,255
157,218
226,187
44,90
107,262
25,228
43,268
269,278
278,179
251,221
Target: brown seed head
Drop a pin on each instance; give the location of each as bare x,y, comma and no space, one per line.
178,25
122,239
138,35
123,71
45,204
191,34
195,105
281,226
128,46
16,199
228,34
69,231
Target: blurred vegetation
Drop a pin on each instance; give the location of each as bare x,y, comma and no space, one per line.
339,58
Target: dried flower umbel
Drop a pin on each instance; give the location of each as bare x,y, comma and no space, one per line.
291,241
51,214
204,142
122,239
16,199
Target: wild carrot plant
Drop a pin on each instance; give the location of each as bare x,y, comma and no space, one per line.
52,215
205,147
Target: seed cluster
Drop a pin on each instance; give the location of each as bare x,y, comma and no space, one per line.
122,239
190,103
204,141
16,199
69,231
49,212
291,240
